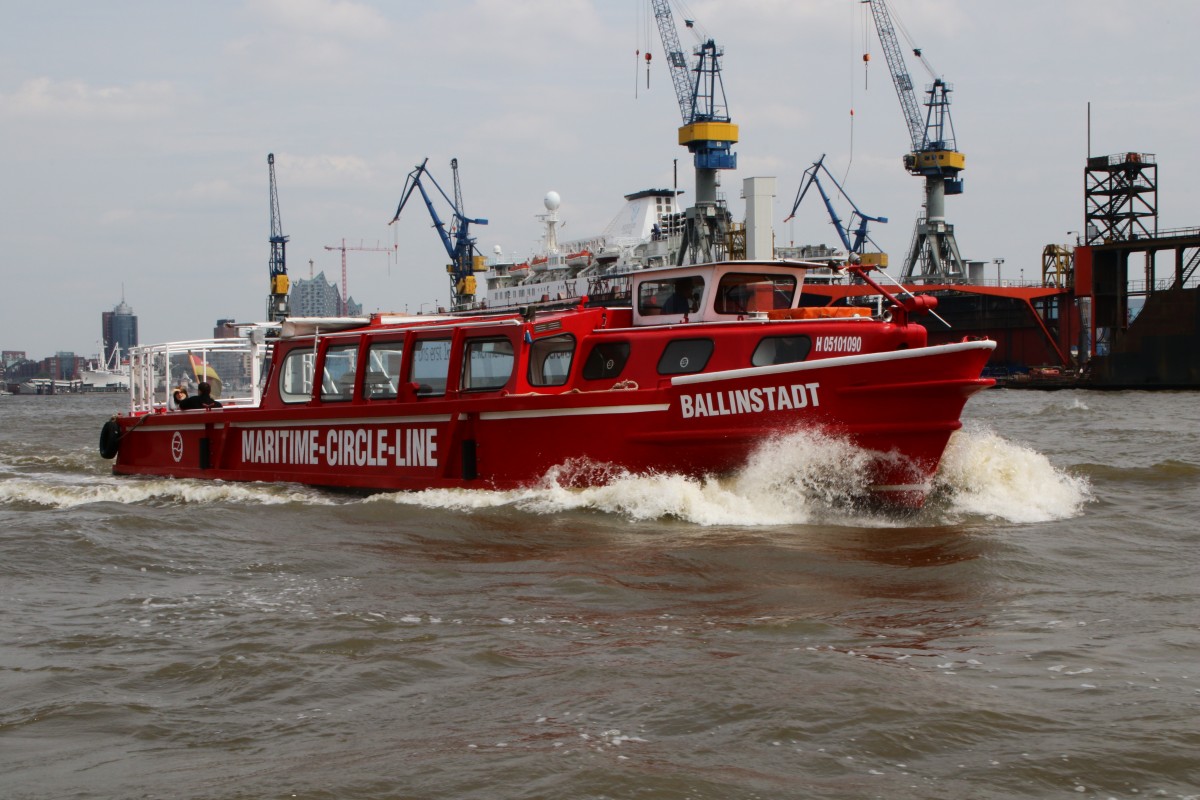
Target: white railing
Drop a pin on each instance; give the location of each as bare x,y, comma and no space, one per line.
234,367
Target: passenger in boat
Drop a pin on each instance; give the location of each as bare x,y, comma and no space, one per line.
178,396
680,302
203,398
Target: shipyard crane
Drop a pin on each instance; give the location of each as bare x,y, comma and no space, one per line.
934,253
855,246
708,134
465,258
277,300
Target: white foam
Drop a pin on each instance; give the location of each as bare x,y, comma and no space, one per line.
803,478
789,480
982,473
56,492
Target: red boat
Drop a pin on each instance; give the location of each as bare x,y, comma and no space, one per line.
703,366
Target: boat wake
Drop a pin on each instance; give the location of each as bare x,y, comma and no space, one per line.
800,479
49,490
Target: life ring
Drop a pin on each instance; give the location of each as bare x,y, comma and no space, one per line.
110,439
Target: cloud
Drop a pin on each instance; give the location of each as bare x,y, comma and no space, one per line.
332,171
217,191
324,18
306,41
117,216
73,99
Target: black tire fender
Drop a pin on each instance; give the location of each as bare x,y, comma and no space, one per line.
110,439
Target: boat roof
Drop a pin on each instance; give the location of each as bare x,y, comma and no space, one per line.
308,326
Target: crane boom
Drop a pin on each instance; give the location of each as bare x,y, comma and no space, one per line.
861,237
676,60
900,77
277,300
465,259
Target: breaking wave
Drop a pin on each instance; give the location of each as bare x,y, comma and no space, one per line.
803,478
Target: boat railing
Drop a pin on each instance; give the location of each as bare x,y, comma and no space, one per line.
233,366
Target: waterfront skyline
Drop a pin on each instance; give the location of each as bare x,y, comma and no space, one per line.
137,135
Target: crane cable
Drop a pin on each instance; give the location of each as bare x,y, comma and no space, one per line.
866,60
912,45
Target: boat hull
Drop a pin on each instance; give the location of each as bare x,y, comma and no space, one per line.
697,425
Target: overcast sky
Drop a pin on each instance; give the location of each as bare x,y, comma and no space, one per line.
134,135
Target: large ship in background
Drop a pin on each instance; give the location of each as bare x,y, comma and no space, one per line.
642,234
111,375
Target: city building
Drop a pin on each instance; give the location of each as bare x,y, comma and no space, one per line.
63,366
317,297
120,330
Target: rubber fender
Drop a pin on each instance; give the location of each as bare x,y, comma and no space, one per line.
110,439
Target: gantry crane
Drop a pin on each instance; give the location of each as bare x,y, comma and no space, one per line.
857,245
277,300
708,134
933,255
465,258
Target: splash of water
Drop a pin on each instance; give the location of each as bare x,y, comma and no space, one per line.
802,478
983,474
796,479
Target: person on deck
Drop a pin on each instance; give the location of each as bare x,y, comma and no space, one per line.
202,399
681,301
179,395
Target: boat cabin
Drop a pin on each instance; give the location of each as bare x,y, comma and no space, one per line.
683,320
714,292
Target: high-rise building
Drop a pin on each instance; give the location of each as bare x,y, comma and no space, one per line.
317,297
120,330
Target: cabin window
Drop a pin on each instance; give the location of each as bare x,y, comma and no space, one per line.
337,374
550,360
488,364
430,366
606,361
670,295
781,350
745,292
296,376
684,356
382,378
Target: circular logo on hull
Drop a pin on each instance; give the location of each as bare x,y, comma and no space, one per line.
177,446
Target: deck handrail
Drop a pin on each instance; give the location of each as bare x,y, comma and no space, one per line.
155,370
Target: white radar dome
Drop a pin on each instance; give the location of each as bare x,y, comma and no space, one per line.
552,201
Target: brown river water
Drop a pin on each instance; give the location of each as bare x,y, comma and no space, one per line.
1034,632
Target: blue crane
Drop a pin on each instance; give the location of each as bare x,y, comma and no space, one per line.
707,132
465,259
277,300
934,251
860,235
